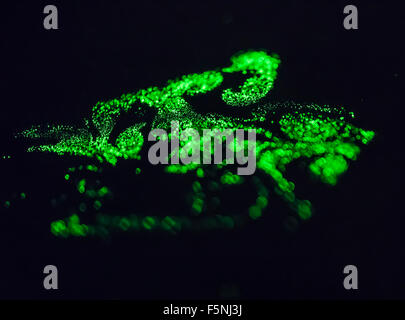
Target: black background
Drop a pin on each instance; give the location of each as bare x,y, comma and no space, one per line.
105,48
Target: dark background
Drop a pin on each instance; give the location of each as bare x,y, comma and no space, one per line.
105,48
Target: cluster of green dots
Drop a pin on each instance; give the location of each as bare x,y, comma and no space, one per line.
321,137
331,143
107,224
261,203
21,196
230,178
170,104
262,68
80,142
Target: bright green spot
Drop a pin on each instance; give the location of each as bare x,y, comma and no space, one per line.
255,212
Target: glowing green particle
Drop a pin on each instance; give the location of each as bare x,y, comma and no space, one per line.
103,191
261,202
74,226
124,224
149,223
169,224
304,209
197,206
59,228
92,168
255,212
71,227
200,173
349,150
81,186
196,186
67,176
97,204
329,168
229,178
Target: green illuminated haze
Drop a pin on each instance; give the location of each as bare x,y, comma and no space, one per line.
320,136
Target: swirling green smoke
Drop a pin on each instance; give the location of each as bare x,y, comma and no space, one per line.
321,137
